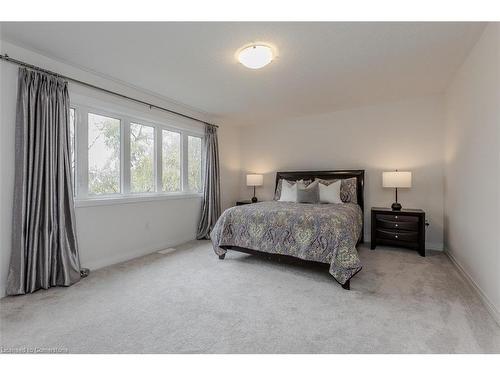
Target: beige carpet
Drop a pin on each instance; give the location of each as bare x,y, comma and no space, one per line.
192,302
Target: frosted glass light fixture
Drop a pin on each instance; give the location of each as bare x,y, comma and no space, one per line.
256,56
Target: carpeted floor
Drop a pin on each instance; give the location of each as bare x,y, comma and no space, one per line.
189,301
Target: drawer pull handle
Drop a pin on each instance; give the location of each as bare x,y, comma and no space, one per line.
396,236
395,217
396,225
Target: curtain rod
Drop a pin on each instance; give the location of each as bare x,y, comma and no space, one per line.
34,67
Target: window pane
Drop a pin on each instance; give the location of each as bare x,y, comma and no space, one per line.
142,154
72,147
194,163
171,163
104,155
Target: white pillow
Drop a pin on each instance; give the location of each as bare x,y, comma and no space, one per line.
288,192
301,184
330,193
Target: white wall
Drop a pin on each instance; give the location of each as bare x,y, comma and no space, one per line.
472,170
230,164
404,135
407,135
113,233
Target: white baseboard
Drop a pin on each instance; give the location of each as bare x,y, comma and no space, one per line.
95,264
486,301
119,258
436,246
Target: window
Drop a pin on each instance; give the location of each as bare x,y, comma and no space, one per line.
103,155
72,148
171,161
142,154
194,163
116,156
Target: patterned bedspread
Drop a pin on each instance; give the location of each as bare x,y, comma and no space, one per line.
325,233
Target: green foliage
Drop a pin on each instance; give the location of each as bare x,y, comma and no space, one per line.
104,178
171,152
72,146
194,163
104,158
141,158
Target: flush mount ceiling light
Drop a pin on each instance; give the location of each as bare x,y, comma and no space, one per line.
256,55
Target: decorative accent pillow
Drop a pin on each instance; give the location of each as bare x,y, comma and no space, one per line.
348,188
330,193
277,193
288,192
309,194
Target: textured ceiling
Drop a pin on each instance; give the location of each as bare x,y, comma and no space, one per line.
321,67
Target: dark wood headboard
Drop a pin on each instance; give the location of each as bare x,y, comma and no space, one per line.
359,174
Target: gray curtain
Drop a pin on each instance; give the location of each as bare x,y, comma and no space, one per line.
44,246
211,188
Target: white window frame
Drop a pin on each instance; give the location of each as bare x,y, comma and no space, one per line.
82,197
185,167
74,171
128,167
83,147
160,160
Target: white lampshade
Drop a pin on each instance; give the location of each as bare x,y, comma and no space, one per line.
255,179
396,179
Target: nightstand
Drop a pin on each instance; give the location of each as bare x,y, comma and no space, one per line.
405,228
241,203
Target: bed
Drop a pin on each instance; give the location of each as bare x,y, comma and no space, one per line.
312,233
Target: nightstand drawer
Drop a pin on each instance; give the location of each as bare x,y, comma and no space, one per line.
391,224
404,228
395,235
397,218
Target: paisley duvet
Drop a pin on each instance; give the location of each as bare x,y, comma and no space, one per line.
325,233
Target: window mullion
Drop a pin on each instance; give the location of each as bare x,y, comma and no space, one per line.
82,152
84,120
184,162
125,159
159,159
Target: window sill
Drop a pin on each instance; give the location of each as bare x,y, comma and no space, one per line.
126,199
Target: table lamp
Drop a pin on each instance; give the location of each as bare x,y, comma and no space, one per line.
396,180
254,180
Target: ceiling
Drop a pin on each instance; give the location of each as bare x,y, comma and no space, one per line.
322,67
